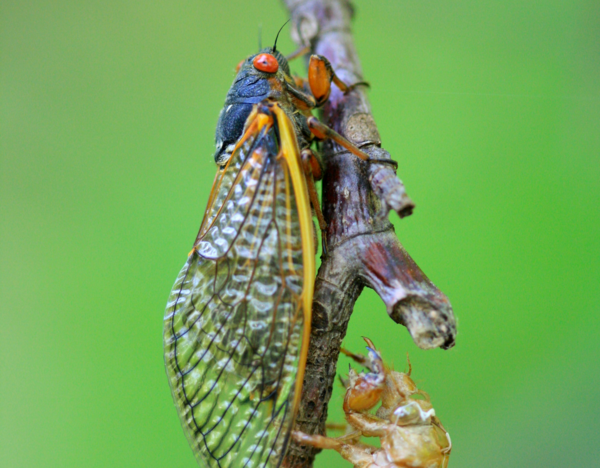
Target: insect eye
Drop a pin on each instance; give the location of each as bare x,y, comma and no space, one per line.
239,65
265,63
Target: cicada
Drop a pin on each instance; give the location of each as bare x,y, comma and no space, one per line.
237,324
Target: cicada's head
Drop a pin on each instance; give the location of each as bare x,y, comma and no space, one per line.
264,75
363,392
267,63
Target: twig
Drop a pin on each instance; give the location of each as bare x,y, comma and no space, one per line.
362,246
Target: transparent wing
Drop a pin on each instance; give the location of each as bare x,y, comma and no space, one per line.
234,320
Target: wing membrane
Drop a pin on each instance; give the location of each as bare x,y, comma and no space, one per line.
234,323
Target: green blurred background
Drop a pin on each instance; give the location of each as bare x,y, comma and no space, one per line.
108,111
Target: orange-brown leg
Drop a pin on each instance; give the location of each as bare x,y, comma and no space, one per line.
314,200
350,449
300,96
317,440
309,163
314,92
358,358
320,76
322,132
312,164
302,50
336,427
307,155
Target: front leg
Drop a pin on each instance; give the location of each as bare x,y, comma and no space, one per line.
320,76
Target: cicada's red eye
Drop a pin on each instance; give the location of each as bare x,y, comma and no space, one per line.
239,65
265,63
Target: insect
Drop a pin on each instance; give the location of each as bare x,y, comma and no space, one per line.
236,328
411,435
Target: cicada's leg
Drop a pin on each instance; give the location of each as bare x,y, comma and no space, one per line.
316,440
300,95
322,132
314,92
327,442
358,358
320,76
355,452
336,427
368,425
301,83
372,361
312,170
302,50
314,199
352,437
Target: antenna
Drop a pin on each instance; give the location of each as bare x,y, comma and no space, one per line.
276,37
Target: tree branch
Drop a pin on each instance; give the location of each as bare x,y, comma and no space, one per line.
363,249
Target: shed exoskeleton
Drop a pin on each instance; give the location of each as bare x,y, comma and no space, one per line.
411,435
